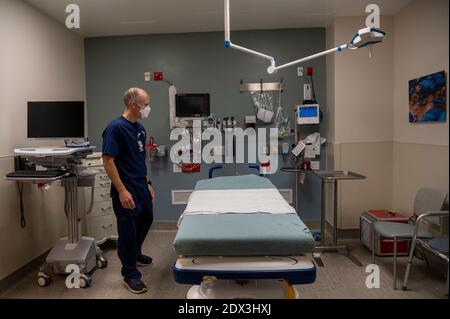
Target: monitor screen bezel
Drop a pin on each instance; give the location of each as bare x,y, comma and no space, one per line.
62,137
192,116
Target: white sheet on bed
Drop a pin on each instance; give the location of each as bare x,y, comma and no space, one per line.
238,201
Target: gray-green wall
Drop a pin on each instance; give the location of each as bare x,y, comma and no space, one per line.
199,62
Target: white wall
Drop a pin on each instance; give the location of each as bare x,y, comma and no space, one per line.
361,119
363,86
420,150
40,60
370,132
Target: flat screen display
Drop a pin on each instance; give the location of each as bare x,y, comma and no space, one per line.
308,111
55,119
192,105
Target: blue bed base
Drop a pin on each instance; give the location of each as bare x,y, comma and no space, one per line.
293,277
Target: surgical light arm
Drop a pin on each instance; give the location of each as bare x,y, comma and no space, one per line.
364,37
229,44
272,68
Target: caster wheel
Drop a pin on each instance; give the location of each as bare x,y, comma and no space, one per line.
102,262
85,280
43,280
317,236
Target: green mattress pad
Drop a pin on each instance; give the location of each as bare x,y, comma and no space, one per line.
259,234
234,234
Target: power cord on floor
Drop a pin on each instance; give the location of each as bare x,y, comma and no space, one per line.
23,222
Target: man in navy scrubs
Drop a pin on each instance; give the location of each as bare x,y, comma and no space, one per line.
124,160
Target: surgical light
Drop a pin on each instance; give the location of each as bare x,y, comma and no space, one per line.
365,37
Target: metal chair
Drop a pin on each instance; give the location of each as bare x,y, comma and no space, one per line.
427,200
438,247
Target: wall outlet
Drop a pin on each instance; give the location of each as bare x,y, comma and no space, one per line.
300,71
177,168
307,92
147,76
301,178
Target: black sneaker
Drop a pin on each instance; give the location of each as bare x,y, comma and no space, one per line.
136,286
143,260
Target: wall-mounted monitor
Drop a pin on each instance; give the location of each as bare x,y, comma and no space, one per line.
55,119
191,105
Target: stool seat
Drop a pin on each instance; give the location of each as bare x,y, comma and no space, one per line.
399,230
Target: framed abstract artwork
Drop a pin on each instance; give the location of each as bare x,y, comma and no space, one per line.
427,98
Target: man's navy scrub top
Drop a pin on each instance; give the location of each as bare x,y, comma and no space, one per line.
125,141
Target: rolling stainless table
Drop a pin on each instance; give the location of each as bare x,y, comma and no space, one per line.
330,190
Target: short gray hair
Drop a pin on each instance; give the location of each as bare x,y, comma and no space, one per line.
130,95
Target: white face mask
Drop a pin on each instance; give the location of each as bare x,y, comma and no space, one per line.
145,112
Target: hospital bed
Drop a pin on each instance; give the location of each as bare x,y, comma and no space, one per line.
239,238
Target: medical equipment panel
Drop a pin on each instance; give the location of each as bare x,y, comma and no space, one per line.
308,114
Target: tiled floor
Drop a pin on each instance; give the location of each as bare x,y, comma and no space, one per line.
339,278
